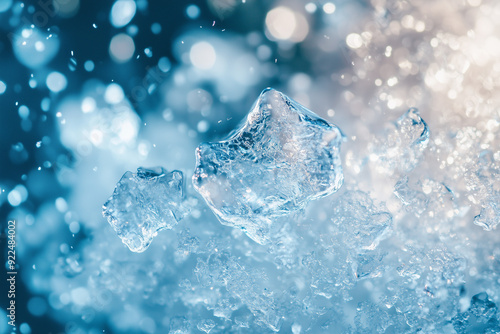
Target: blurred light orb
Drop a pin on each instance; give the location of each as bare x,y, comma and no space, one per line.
193,12
45,104
56,82
17,195
89,66
122,12
156,28
74,227
114,94
329,8
3,87
164,64
132,30
37,306
121,48
202,55
354,41
311,7
5,5
24,112
24,328
88,105
284,24
33,48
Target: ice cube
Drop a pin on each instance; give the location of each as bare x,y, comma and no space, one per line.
282,157
144,203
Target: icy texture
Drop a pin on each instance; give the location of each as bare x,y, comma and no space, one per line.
144,203
405,143
282,157
486,191
481,317
413,200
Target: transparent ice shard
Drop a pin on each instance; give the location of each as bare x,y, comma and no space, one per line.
413,200
144,203
282,157
489,217
404,145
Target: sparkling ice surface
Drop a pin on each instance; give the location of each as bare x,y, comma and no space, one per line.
283,156
144,203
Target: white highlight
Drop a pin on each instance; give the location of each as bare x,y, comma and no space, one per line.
122,12
202,55
56,82
285,24
121,48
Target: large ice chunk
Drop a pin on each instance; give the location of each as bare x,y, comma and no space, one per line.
282,157
144,203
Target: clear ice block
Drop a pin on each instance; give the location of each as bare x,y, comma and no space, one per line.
281,158
144,203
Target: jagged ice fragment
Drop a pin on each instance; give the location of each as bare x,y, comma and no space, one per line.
144,203
404,145
283,156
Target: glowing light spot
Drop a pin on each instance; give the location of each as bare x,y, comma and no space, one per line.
392,81
88,105
329,8
114,94
88,66
17,195
156,28
3,87
74,227
121,48
311,7
24,328
284,24
127,131
56,82
24,112
193,12
122,12
45,104
5,5
203,126
354,41
202,55
61,204
164,64
39,46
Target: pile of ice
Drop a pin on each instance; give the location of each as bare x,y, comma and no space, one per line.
343,263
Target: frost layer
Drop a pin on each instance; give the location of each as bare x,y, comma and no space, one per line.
282,157
144,203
